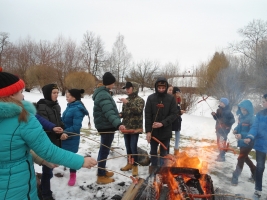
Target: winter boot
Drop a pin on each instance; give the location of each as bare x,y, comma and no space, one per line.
104,180
234,180
176,152
127,167
221,157
257,194
135,170
109,174
72,179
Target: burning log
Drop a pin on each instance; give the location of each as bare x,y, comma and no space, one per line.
132,190
174,182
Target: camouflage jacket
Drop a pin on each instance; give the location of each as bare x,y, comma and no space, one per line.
132,112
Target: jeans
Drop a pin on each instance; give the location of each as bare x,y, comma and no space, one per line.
221,142
177,139
45,181
106,139
154,149
131,145
260,159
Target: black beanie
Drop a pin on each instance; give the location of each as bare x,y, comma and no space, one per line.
77,94
108,79
47,91
175,89
9,84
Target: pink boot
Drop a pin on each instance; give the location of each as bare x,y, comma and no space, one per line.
72,179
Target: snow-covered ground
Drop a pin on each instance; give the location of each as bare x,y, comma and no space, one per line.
197,139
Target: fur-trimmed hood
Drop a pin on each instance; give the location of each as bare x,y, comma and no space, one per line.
9,109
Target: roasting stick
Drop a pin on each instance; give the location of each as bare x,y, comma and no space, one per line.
210,195
227,145
75,134
133,155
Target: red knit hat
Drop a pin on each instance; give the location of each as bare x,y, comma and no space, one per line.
9,84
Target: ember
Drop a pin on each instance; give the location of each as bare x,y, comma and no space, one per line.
179,178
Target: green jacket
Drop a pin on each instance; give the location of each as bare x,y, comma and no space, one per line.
132,112
105,111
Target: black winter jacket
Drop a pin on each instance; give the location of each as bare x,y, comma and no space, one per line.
51,111
165,115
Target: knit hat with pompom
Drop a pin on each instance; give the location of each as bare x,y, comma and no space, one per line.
77,94
9,84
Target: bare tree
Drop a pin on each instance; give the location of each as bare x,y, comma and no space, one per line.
253,34
231,83
120,59
93,53
66,60
24,57
253,50
170,71
144,73
3,44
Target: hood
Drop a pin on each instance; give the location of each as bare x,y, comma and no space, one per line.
80,105
161,79
99,89
10,109
247,105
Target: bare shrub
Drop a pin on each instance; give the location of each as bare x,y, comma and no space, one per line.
80,80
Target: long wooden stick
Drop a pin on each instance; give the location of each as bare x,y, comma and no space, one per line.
96,142
133,155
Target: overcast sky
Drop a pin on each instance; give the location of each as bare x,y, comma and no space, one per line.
187,31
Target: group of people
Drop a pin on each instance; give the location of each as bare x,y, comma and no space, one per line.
41,132
250,132
162,116
22,133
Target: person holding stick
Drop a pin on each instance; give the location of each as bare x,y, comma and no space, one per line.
21,132
132,114
72,118
224,121
106,119
160,112
246,118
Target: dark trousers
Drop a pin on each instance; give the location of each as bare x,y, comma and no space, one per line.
221,142
106,139
131,141
154,149
45,181
243,158
260,159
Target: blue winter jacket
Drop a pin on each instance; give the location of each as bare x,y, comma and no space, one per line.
17,176
258,131
244,122
72,118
